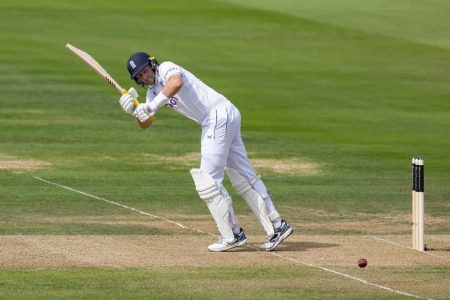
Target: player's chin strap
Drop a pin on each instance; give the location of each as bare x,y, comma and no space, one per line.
254,199
219,206
142,84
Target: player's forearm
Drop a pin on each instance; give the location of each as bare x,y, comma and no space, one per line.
145,124
172,87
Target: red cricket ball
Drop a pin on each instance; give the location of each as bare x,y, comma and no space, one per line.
362,262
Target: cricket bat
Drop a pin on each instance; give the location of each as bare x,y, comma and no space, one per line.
99,69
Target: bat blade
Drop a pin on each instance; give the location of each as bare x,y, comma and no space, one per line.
88,59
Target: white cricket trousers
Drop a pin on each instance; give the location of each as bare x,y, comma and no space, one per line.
222,146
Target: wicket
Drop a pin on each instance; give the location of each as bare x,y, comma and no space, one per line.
418,204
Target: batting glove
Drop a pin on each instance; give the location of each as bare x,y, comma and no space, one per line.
143,112
132,91
126,101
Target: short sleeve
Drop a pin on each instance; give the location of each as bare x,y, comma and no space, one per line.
167,69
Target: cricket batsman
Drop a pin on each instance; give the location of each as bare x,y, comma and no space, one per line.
222,148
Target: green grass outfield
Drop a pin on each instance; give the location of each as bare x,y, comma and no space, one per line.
356,88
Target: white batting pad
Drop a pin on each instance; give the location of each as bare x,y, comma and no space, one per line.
254,199
219,206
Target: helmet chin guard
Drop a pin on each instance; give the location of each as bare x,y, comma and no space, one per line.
137,62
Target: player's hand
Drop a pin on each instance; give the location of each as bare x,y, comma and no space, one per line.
143,112
126,101
132,91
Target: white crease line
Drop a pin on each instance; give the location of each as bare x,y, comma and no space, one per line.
403,246
201,231
349,276
111,202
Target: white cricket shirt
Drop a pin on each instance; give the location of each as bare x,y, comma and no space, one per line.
194,100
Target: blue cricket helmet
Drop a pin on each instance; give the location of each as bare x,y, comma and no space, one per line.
137,62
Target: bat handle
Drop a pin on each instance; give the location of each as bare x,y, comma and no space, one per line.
136,104
135,101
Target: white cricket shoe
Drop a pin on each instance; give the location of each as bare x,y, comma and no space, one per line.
280,235
240,239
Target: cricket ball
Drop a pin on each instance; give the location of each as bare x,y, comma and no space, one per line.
362,262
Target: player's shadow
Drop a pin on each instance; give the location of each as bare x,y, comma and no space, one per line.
287,246
303,246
